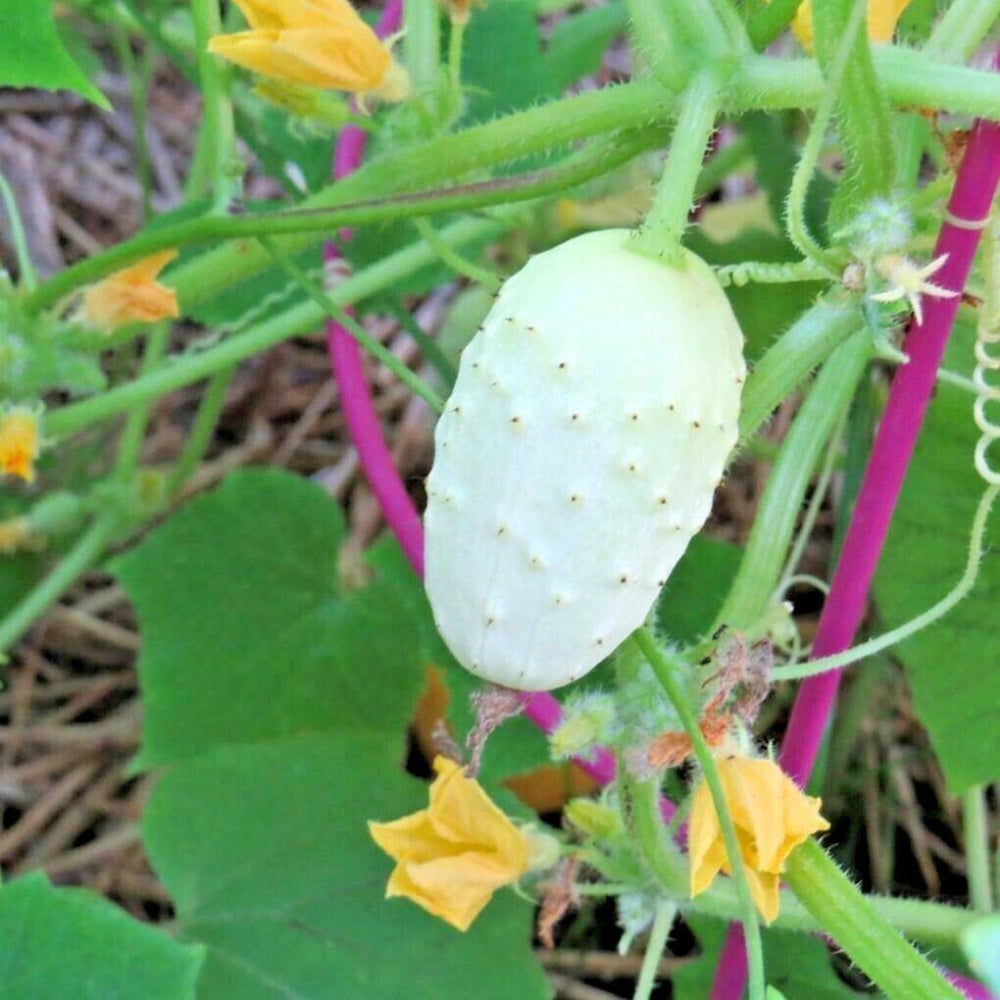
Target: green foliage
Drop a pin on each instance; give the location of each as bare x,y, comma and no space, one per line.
799,966
33,55
950,665
282,702
578,43
696,588
73,943
267,854
247,634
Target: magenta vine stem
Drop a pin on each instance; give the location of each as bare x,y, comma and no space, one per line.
404,520
373,453
909,396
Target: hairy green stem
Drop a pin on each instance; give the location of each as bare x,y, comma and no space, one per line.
78,559
310,223
658,935
664,670
976,833
778,511
962,28
805,345
872,943
294,322
660,234
658,42
454,260
422,43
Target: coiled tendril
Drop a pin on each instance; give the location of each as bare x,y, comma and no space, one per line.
987,360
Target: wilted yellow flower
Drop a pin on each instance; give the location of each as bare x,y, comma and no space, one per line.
14,535
132,295
772,817
452,856
19,443
882,18
319,43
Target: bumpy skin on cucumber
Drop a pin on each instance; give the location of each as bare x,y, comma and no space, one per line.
577,457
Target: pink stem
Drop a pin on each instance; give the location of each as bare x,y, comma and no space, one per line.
912,387
404,521
376,459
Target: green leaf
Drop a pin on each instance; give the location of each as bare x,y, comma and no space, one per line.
517,746
797,965
246,633
696,589
579,42
950,665
502,65
32,53
267,854
73,943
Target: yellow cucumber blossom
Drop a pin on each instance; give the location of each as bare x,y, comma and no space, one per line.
132,295
19,442
452,856
772,817
882,18
318,43
909,281
14,535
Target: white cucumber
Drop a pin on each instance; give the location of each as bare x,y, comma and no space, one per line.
577,456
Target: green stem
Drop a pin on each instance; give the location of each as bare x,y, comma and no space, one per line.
217,130
77,560
376,349
200,435
318,221
962,28
873,944
294,322
130,446
455,45
422,43
138,78
778,511
812,511
458,263
658,935
660,235
838,661
806,344
910,79
658,42
429,347
25,267
664,670
975,828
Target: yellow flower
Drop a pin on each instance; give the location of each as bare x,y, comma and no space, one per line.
132,295
14,535
882,18
19,443
319,43
452,856
772,817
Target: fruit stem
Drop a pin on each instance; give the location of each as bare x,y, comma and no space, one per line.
661,233
664,669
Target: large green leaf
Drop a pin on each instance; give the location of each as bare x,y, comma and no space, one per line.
246,633
951,666
267,854
798,965
33,55
58,943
